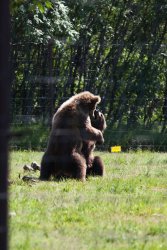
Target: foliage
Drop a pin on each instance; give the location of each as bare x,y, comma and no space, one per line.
127,209
40,22
35,137
116,49
32,137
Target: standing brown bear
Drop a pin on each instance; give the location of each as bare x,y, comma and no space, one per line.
71,126
94,164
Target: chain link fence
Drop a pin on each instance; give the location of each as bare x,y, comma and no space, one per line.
132,85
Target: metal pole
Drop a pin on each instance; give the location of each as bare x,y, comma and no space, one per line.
4,119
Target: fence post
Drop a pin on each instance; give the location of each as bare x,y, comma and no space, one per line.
50,82
4,119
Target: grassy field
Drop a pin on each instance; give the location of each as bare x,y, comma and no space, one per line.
127,209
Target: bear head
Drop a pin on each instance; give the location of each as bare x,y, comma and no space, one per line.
87,102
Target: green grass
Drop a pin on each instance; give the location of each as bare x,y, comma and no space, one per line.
127,209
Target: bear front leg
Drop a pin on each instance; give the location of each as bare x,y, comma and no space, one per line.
92,134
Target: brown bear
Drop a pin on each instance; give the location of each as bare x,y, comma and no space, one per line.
95,165
71,126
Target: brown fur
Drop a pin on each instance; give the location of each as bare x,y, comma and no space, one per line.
95,165
71,126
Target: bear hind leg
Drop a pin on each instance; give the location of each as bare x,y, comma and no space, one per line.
78,165
47,166
97,168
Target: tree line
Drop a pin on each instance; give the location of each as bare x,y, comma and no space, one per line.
116,49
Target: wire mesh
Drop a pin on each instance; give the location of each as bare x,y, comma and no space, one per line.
133,98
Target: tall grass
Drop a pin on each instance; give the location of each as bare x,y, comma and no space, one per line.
35,136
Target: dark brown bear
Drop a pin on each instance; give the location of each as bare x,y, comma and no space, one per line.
71,126
95,165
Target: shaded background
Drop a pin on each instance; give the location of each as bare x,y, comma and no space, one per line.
117,49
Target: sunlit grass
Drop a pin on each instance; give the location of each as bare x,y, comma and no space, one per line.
127,209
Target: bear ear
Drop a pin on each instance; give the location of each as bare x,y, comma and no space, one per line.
97,99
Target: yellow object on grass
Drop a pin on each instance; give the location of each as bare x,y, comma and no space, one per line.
116,149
